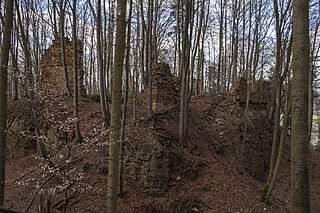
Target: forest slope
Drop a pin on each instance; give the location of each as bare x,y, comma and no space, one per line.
211,173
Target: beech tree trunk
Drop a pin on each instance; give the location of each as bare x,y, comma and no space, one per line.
63,49
103,92
28,85
184,71
300,145
4,58
115,127
75,80
220,46
125,102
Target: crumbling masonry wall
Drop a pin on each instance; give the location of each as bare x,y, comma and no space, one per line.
259,91
256,153
147,162
165,88
52,76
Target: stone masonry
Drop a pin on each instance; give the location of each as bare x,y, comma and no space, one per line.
52,78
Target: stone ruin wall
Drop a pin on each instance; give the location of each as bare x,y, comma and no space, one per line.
259,91
52,77
145,163
165,88
147,160
256,155
148,164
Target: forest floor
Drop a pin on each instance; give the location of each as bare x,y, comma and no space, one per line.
220,187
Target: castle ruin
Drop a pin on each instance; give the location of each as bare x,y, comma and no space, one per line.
52,78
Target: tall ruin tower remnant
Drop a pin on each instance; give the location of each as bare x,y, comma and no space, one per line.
52,78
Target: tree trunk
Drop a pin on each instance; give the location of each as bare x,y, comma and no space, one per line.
184,70
55,28
103,92
300,145
135,84
75,80
110,65
276,154
29,87
234,41
149,55
276,127
143,44
276,94
196,49
266,193
125,103
115,127
63,49
314,53
220,67
178,38
4,58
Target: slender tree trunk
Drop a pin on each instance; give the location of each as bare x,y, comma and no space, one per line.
300,188
15,85
29,87
184,70
242,66
147,46
246,62
149,56
220,67
276,154
277,94
314,54
155,47
266,193
196,49
4,58
201,80
125,103
55,25
90,74
63,49
103,92
75,80
276,128
310,103
135,85
224,64
15,68
178,38
234,41
115,127
144,79
110,65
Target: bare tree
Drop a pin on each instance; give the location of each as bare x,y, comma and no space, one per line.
101,69
115,127
184,70
4,58
277,152
125,102
28,85
78,137
300,144
62,7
